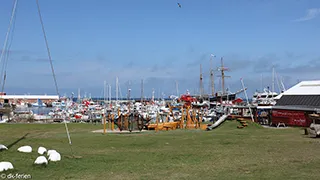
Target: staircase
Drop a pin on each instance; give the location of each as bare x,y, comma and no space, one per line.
243,123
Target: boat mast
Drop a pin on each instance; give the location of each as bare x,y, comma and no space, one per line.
129,91
283,87
177,88
222,76
223,69
129,95
261,83
141,90
201,83
104,91
79,96
246,95
117,89
212,74
272,82
110,94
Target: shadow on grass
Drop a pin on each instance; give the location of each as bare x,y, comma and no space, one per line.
18,140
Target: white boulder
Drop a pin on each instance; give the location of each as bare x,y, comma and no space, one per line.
41,160
25,149
3,147
5,166
42,150
55,156
50,152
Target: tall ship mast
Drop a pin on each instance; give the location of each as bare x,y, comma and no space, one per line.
222,69
212,75
201,82
223,95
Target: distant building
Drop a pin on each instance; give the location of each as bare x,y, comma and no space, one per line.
294,105
28,98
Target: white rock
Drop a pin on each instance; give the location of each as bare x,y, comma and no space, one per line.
50,152
26,149
3,147
55,156
41,160
5,166
42,150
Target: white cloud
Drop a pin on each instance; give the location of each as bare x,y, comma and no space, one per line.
310,14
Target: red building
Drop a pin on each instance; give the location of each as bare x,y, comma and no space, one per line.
294,105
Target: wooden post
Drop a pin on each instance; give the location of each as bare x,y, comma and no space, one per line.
167,118
112,122
104,124
194,118
109,121
188,118
157,121
182,118
127,121
201,117
119,118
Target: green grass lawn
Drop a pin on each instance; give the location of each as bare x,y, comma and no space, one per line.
224,153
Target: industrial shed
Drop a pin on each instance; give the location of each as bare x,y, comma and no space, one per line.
294,105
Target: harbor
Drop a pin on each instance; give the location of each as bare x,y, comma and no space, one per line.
185,111
164,90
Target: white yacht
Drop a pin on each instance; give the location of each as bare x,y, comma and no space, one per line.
264,98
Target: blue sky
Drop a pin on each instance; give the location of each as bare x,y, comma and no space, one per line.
93,41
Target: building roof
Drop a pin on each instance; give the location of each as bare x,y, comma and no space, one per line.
304,95
299,100
304,88
56,97
296,108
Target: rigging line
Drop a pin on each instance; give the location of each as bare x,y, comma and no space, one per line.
53,74
7,51
6,59
48,50
7,34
